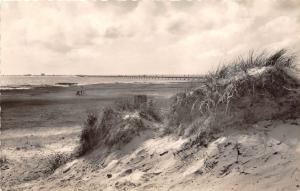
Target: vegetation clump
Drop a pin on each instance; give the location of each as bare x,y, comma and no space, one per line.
118,125
89,134
3,160
55,161
241,92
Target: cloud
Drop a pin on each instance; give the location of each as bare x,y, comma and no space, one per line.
290,4
133,37
112,32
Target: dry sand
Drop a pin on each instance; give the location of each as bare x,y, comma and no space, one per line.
269,160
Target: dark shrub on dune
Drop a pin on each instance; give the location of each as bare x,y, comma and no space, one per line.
55,161
119,124
89,134
3,160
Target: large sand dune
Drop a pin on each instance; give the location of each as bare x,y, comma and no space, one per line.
266,157
240,130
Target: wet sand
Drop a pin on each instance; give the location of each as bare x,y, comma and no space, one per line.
61,107
38,123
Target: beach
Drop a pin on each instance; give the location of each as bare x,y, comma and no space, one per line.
42,121
61,107
115,95
176,139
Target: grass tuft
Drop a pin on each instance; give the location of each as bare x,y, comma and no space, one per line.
55,161
118,125
229,90
89,134
3,160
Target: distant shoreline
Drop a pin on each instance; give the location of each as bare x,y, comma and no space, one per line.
18,82
66,85
112,75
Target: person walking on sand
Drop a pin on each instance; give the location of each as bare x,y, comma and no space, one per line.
80,92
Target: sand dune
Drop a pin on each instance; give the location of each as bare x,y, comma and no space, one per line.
269,158
240,130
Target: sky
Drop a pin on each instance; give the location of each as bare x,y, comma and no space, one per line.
141,37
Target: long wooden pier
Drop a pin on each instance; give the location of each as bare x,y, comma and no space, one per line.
157,77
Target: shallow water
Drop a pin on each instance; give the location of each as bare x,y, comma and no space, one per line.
25,82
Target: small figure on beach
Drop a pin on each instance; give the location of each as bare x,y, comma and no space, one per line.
80,92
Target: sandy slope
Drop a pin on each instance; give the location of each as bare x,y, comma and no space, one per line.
263,157
28,151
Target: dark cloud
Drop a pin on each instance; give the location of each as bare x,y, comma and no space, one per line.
246,3
87,38
112,32
117,5
57,43
258,22
117,32
288,4
183,5
177,27
57,47
160,8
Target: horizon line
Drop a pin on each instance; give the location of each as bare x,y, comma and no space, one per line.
103,75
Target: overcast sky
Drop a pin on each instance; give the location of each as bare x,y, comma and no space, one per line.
141,37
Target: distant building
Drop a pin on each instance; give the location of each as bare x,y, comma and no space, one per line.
43,74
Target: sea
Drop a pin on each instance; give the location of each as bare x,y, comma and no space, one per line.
26,82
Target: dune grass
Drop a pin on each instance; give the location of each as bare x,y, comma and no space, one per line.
253,78
280,59
89,134
238,79
3,160
55,161
240,92
118,124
